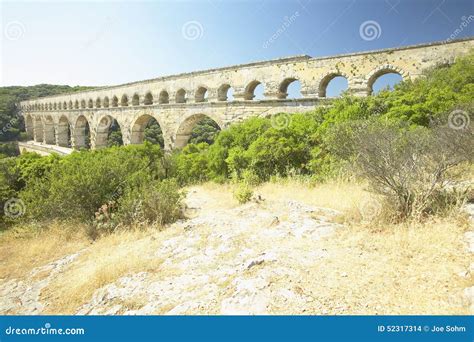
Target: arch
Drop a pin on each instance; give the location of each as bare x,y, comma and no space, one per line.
289,88
55,106
115,101
63,132
148,99
98,102
81,133
109,132
185,128
76,104
135,100
90,104
124,101
69,105
383,70
164,97
29,127
83,103
225,92
147,128
106,102
181,96
201,94
38,129
327,79
50,106
64,105
250,90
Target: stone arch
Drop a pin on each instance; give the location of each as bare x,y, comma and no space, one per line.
164,97
63,132
98,102
106,125
124,101
223,92
139,126
81,133
250,89
326,79
106,102
135,100
383,70
148,99
38,128
64,105
69,105
83,103
186,126
29,127
48,130
114,101
201,94
90,104
76,104
285,85
181,96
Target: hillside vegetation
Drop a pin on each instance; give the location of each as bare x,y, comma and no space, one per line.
402,141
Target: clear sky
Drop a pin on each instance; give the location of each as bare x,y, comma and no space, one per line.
105,43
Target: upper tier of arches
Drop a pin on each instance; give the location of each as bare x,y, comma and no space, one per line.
254,90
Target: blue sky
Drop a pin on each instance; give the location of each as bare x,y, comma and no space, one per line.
105,43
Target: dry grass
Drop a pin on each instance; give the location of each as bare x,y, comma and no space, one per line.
110,258
371,268
26,247
400,269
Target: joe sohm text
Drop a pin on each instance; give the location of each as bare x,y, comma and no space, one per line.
421,328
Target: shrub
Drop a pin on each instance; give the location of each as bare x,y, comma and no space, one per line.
243,193
78,184
156,203
405,164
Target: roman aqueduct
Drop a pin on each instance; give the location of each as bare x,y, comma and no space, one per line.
178,102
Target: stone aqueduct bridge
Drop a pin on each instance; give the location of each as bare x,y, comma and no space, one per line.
178,102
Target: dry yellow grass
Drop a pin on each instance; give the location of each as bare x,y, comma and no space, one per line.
24,248
399,269
409,268
110,258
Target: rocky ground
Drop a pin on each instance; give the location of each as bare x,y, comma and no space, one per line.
257,258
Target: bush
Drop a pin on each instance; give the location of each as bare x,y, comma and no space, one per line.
156,203
407,165
78,184
243,193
